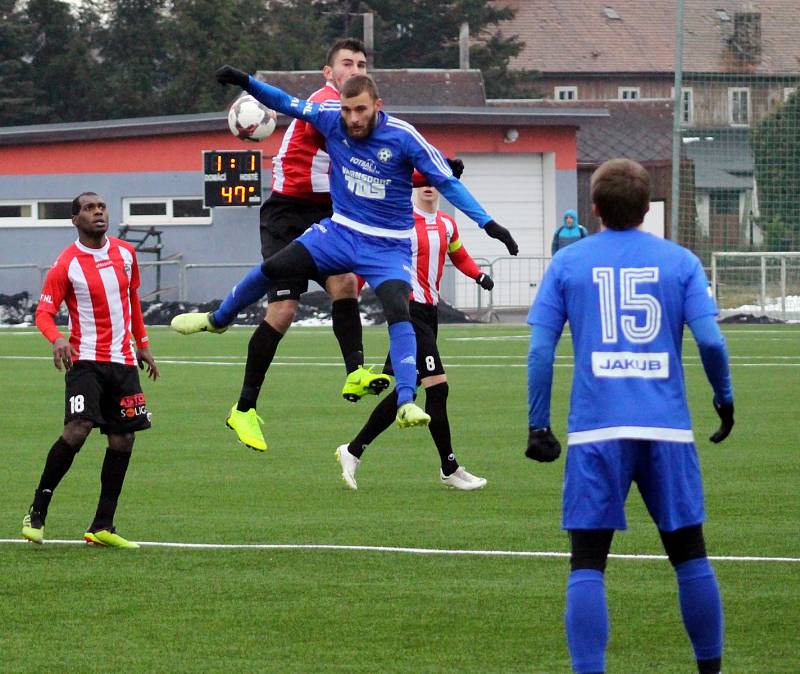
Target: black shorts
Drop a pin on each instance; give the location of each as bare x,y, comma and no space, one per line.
107,394
425,319
283,219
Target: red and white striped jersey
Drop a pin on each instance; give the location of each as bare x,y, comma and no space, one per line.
435,234
300,169
99,287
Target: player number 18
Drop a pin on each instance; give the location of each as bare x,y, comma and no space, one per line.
630,299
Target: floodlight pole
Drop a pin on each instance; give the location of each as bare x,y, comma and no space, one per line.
463,46
676,124
369,37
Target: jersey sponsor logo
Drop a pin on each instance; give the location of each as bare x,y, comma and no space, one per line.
132,406
366,164
102,264
46,298
623,364
363,185
384,154
308,108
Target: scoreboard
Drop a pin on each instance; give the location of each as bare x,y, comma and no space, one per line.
232,178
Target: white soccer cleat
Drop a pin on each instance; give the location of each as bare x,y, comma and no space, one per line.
462,480
349,464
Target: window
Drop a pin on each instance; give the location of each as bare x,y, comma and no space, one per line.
687,105
566,93
724,202
788,91
628,93
165,211
739,106
36,213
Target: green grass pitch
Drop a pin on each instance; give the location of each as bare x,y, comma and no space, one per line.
72,608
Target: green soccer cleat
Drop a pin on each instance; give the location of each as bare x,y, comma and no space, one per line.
109,538
247,426
409,415
33,527
363,382
188,324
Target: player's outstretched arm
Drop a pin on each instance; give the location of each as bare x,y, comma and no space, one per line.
273,97
458,195
542,444
714,355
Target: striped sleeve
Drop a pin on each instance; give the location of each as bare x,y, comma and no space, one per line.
53,293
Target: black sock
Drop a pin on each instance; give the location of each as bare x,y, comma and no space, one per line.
436,407
260,352
347,328
712,666
58,462
112,476
381,418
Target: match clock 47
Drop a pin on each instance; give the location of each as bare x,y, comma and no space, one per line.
232,178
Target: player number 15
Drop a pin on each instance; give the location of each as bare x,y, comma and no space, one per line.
629,300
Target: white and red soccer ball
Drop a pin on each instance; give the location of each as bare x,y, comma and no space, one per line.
251,120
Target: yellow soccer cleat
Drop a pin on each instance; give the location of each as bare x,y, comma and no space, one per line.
33,527
188,324
247,426
363,382
409,415
106,538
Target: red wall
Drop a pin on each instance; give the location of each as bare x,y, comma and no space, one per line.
183,152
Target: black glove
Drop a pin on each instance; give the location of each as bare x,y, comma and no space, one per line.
503,235
230,75
456,166
543,446
485,281
725,411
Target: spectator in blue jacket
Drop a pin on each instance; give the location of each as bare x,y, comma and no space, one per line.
570,232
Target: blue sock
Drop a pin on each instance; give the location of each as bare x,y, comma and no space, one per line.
701,607
586,620
403,350
250,289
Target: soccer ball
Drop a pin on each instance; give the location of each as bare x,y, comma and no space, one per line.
250,120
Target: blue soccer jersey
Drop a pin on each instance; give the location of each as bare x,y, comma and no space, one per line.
627,326
371,178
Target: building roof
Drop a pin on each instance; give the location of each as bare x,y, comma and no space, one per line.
578,36
723,158
635,129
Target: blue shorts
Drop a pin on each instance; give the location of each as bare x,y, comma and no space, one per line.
598,477
337,249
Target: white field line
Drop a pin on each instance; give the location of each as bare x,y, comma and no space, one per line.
693,361
414,551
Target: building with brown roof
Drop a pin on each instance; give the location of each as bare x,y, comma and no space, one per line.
740,62
740,58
